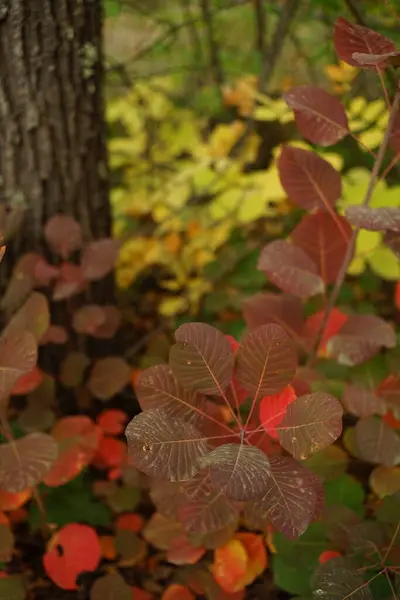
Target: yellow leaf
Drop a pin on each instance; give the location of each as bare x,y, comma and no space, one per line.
170,307
385,263
372,138
385,481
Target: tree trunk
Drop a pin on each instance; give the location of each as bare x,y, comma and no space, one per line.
52,128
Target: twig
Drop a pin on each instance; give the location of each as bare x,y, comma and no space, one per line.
349,253
353,9
215,61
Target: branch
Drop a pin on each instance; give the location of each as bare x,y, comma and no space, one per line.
355,13
349,254
269,60
259,23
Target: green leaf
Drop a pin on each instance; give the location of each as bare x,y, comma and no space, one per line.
291,579
346,491
64,504
389,509
302,553
12,588
112,8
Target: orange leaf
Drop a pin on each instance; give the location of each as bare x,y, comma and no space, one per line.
112,421
177,592
110,453
257,555
73,550
28,382
130,521
230,565
328,555
10,501
107,545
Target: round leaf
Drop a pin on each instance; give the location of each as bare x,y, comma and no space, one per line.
63,235
311,423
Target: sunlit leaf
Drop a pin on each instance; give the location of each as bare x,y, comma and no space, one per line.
309,180
377,442
99,258
239,471
266,360
73,550
108,377
202,358
282,309
320,117
311,423
362,402
289,501
291,269
334,580
63,235
164,447
374,219
360,338
351,38
230,565
157,387
24,462
110,587
385,481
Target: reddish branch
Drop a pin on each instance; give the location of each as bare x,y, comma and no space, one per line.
347,259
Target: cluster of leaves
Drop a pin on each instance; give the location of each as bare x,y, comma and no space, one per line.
232,430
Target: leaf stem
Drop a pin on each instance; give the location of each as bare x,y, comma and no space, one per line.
350,248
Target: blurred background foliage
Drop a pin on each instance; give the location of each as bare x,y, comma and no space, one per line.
196,123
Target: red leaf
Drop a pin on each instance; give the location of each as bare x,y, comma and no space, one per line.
397,296
362,402
282,309
325,239
389,419
70,282
111,324
290,500
290,269
320,117
266,360
56,334
99,258
110,453
389,390
360,339
78,439
131,521
44,272
309,180
273,409
12,501
350,38
182,552
374,219
202,358
327,555
112,421
75,549
63,235
28,382
335,322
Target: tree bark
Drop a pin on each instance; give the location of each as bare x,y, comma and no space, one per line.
52,128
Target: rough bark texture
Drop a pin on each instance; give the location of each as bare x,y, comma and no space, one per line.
52,134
